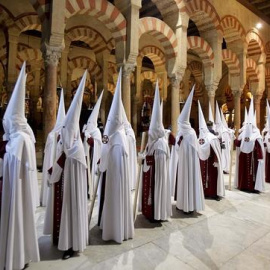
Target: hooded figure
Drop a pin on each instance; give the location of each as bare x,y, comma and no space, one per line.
70,222
18,185
212,127
92,146
226,136
115,211
249,167
186,180
50,152
132,150
210,161
266,141
156,198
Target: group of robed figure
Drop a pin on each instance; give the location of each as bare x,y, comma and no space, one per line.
81,165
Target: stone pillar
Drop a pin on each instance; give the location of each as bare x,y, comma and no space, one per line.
175,110
139,98
237,109
64,69
104,85
35,94
126,92
12,56
211,91
68,90
257,105
51,57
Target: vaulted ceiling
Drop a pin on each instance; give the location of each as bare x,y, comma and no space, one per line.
259,7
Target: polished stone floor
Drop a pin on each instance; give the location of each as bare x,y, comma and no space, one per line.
233,233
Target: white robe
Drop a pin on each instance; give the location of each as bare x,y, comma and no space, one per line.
132,158
213,141
92,172
117,216
18,238
162,193
74,218
49,159
185,166
227,138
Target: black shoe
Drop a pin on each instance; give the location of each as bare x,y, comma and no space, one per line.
68,254
218,198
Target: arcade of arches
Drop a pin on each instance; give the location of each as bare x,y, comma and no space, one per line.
214,44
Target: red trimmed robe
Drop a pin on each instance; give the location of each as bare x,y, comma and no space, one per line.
209,175
247,167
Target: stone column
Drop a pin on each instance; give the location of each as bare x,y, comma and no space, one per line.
211,91
12,56
257,105
68,90
104,85
237,109
175,110
138,99
64,69
51,57
126,92
35,94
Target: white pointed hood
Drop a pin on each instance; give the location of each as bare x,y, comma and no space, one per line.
115,117
61,114
71,129
92,120
205,136
218,121
156,128
211,117
14,118
128,128
183,118
250,133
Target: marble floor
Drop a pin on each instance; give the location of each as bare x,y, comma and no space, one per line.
233,233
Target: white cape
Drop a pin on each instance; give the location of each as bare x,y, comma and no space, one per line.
18,238
117,216
92,172
74,218
185,166
162,194
49,159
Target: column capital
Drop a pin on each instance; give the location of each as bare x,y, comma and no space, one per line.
257,98
211,90
127,69
51,54
237,93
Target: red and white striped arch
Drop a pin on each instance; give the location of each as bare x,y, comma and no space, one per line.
195,68
90,36
154,53
28,55
232,28
152,76
267,77
169,7
29,22
85,63
232,62
252,70
162,32
88,84
255,44
202,48
267,52
203,14
102,10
